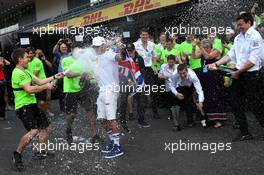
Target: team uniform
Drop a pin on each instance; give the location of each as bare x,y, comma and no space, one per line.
71,86
25,103
165,53
193,63
246,48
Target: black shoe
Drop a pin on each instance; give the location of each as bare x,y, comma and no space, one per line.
96,139
69,138
17,161
144,124
243,137
43,155
156,116
131,116
176,128
126,129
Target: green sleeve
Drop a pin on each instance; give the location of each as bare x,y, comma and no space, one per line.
217,45
258,19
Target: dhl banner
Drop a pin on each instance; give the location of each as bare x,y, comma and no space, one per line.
121,10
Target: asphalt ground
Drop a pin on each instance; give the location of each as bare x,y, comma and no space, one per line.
148,151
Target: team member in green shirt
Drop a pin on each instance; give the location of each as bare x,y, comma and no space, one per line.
170,50
187,50
217,43
36,67
158,51
34,121
86,95
71,87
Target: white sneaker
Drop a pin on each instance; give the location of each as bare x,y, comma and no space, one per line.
203,122
51,114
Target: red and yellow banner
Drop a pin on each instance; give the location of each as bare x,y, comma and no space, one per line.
118,11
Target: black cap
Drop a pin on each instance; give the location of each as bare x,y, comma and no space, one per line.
130,47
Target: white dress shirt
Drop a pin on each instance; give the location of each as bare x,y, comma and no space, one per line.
146,54
246,48
192,78
165,70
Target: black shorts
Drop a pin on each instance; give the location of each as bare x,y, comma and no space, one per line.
42,96
32,117
88,97
71,102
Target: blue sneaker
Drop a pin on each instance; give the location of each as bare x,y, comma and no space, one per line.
108,148
115,152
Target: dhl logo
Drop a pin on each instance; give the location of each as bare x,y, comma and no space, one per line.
61,24
93,18
138,6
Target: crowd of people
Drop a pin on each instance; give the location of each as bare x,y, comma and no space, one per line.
190,73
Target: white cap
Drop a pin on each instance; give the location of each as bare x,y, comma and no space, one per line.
230,31
98,41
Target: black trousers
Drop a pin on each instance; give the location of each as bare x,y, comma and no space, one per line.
2,101
187,104
245,97
261,89
140,106
151,79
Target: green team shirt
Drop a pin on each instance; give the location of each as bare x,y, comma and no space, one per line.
217,45
177,47
167,52
158,51
19,78
258,20
36,65
186,48
71,85
230,45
